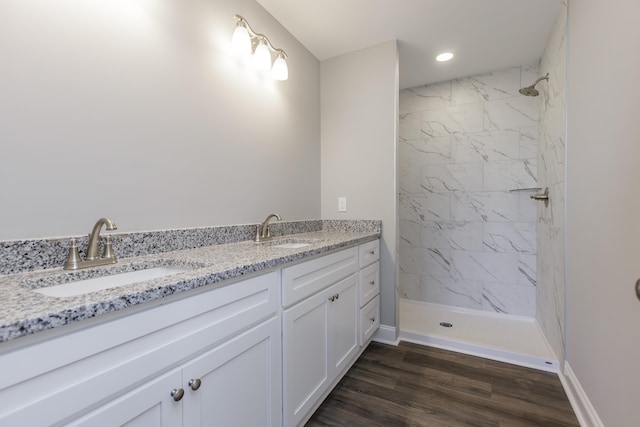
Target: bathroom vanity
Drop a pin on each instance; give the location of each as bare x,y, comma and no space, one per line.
253,335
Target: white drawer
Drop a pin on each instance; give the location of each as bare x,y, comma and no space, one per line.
369,283
305,279
369,320
369,253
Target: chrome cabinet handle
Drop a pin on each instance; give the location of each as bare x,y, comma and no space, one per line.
332,298
177,394
195,383
638,288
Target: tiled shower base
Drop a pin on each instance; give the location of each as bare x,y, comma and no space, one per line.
506,338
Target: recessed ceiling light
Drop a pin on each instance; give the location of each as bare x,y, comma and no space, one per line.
444,57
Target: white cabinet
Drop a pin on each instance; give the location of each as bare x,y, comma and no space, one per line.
146,406
84,376
263,351
320,340
322,329
237,383
369,318
212,390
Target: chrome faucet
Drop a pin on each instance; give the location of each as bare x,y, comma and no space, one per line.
262,231
75,262
92,249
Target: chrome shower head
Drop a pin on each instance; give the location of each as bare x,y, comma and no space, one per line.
531,90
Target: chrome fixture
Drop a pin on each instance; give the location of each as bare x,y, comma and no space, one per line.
542,196
245,41
75,262
92,249
531,90
262,230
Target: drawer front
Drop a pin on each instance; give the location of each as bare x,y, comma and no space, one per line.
369,253
303,280
369,283
369,320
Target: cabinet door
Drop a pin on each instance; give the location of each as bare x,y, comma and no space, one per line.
237,383
305,351
343,324
146,406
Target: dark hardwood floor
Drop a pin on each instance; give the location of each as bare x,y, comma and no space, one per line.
413,385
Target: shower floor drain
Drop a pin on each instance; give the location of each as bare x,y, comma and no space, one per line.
446,324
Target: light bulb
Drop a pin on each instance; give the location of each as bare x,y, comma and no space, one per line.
241,41
444,57
280,71
262,56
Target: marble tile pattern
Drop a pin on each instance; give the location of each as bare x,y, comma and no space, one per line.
17,256
24,312
551,172
465,239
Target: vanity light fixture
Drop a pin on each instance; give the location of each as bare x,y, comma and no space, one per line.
245,41
445,56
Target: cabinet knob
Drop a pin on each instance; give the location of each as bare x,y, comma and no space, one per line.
337,296
372,283
372,252
177,394
373,320
195,383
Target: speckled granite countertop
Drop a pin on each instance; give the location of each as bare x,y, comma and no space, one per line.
24,312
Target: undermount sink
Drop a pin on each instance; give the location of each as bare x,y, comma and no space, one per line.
292,245
85,286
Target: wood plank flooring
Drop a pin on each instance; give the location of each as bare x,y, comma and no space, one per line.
414,385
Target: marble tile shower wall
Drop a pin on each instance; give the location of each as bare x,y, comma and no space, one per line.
466,240
551,172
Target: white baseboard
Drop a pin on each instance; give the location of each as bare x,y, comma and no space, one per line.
585,412
386,335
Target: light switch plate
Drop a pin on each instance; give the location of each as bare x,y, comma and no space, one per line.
342,204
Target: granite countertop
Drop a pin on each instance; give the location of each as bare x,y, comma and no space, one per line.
24,312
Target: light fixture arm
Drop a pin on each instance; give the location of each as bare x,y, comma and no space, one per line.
260,36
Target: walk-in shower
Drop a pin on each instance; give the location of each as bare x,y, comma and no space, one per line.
531,90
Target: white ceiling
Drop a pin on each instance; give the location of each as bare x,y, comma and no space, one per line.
485,35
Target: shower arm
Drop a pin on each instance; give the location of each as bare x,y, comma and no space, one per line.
545,77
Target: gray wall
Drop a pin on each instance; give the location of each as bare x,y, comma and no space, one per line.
138,111
602,222
359,115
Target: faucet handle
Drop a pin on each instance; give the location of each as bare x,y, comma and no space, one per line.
73,258
107,251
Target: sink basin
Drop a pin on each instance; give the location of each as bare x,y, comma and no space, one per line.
85,286
291,245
